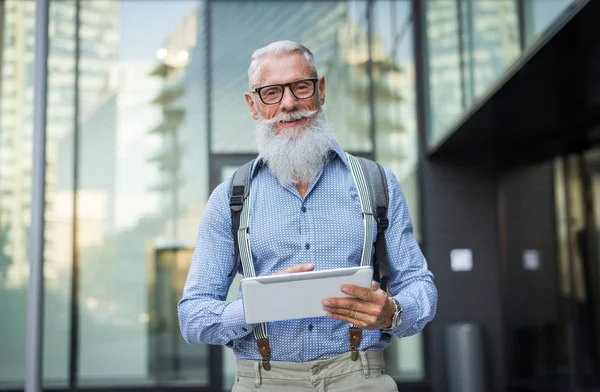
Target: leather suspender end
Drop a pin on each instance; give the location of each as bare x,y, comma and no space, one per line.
355,337
265,352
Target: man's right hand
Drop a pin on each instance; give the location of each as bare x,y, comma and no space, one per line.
297,268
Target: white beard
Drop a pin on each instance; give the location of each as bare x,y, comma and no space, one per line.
295,154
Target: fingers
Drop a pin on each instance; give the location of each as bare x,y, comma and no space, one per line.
347,306
346,303
361,292
356,317
364,308
297,268
366,315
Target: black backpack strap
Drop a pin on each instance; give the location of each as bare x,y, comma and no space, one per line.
238,191
379,203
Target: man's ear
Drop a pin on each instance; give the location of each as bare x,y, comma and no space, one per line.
322,90
251,105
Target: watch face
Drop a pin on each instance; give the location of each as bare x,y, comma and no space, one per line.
398,315
399,319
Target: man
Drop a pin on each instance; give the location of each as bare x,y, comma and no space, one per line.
305,214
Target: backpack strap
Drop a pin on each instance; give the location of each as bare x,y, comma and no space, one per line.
239,202
374,176
239,189
379,203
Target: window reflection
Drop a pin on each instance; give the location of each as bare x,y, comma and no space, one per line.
540,14
337,37
471,43
142,185
17,21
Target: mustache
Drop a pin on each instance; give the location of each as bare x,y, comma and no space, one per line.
292,116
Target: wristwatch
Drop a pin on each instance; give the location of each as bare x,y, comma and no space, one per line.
397,317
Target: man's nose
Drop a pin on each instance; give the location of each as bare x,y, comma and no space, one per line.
288,102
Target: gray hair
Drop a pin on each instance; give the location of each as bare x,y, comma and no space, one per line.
279,48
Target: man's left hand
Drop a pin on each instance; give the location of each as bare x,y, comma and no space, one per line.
370,309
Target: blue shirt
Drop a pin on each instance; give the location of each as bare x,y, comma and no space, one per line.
326,229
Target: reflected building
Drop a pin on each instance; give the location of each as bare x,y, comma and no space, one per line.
341,45
470,45
179,72
100,36
336,39
113,203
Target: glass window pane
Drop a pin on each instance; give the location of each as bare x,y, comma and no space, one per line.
471,43
490,43
445,87
540,14
335,31
143,182
16,148
17,22
397,141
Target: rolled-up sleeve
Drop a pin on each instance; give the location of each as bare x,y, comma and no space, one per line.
411,282
204,314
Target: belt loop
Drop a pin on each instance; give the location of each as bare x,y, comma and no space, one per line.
365,363
257,378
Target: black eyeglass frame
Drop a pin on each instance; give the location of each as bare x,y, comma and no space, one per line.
288,85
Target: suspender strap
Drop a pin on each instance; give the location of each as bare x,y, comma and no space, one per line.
241,233
365,203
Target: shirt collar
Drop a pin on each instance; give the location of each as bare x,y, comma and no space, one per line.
333,151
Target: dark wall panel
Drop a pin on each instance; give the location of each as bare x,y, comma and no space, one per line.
460,210
535,336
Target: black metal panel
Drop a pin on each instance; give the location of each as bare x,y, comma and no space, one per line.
548,102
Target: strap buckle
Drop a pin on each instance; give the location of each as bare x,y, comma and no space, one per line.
382,224
382,221
236,202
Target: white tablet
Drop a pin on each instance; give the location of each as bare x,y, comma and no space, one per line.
297,295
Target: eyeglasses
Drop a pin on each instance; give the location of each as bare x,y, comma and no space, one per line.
273,93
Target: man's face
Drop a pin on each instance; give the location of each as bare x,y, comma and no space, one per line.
279,70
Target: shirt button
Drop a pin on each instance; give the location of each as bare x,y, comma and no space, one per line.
307,246
310,327
303,209
316,370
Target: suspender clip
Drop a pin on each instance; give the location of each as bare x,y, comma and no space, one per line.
355,337
265,352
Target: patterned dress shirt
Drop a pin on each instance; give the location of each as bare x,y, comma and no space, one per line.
326,229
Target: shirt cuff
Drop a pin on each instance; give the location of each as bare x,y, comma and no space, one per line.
233,321
410,313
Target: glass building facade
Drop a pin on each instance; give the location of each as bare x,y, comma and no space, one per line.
146,115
